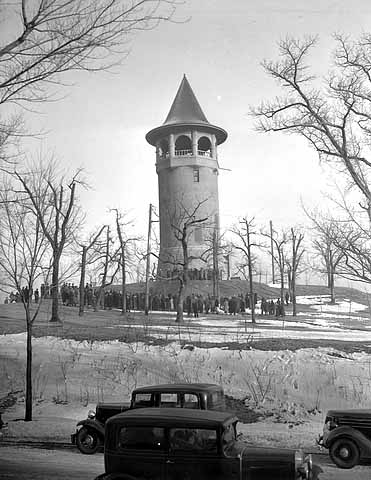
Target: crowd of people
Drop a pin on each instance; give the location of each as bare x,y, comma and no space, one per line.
25,295
193,304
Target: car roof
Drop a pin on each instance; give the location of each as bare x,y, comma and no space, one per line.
176,387
172,417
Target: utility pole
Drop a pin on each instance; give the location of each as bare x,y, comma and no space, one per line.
216,294
271,228
148,263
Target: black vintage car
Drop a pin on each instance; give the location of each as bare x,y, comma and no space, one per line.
170,444
347,435
89,435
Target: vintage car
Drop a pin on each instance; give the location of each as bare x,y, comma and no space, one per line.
347,435
89,435
170,444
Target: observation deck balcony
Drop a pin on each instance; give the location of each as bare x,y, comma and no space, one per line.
187,153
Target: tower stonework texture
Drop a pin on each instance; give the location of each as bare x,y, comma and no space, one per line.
187,168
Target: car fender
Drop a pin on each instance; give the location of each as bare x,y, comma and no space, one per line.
361,440
93,425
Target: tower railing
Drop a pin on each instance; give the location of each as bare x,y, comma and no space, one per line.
187,153
183,153
204,153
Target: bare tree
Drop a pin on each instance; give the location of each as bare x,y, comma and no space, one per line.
183,222
216,249
245,244
24,259
85,249
335,119
125,242
109,267
48,38
325,232
279,241
53,202
353,243
293,261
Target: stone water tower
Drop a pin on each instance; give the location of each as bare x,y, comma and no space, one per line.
187,168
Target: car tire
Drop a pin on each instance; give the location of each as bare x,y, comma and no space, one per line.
88,441
344,452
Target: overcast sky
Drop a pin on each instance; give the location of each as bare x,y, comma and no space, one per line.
102,121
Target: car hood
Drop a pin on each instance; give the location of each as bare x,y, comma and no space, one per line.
264,454
359,413
113,405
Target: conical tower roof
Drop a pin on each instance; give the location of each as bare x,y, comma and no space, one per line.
185,107
185,112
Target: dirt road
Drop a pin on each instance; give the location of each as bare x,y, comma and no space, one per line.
40,464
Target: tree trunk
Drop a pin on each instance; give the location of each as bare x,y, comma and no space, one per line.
54,288
179,307
28,412
290,280
282,289
82,281
332,288
252,296
104,276
293,289
184,276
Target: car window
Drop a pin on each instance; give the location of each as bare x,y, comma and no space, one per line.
193,440
143,438
169,400
190,400
142,400
215,399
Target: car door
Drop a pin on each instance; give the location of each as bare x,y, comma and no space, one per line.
142,452
194,454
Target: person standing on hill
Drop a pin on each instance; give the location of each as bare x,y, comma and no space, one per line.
287,298
194,305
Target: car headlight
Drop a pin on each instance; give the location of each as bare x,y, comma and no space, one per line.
330,424
299,459
305,468
91,414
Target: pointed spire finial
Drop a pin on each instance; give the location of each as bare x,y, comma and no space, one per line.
185,111
185,107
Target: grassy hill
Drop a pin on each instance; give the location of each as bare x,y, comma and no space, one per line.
235,287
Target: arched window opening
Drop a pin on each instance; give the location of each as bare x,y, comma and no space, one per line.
183,145
204,146
164,148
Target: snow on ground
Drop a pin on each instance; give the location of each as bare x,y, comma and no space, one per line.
71,376
322,303
203,329
341,307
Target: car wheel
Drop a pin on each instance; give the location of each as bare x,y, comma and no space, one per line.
344,453
87,441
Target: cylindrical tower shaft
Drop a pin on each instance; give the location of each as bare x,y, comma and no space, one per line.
187,168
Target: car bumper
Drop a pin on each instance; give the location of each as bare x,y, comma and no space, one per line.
73,439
